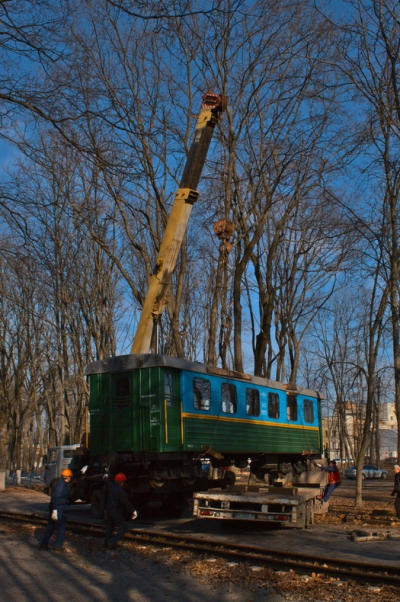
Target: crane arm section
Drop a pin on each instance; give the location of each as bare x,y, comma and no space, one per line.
156,298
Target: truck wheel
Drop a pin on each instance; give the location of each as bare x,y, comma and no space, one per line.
157,483
97,503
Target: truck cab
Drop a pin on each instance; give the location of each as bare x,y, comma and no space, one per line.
57,459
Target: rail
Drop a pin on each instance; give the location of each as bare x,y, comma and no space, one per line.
337,568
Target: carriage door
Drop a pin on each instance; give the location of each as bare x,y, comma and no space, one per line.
121,415
171,411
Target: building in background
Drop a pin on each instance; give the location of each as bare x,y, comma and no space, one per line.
338,426
388,431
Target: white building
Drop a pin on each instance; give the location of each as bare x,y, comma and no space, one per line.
388,416
388,431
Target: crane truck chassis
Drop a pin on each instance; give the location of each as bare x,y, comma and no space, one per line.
289,506
91,475
220,499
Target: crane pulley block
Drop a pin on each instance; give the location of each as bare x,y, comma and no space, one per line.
187,195
207,118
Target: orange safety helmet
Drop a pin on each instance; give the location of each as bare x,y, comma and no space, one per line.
120,477
66,473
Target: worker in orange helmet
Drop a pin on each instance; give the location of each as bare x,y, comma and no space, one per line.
58,501
119,510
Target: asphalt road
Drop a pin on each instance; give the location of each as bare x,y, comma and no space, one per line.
374,490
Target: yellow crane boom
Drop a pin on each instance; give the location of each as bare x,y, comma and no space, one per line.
156,299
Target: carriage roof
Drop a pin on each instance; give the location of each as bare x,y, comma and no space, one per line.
122,363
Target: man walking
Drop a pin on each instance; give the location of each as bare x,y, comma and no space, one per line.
58,501
397,489
118,509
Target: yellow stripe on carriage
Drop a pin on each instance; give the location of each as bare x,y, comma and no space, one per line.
166,421
247,421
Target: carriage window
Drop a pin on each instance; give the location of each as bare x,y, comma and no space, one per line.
122,386
273,405
122,391
228,398
252,402
308,411
291,407
169,389
201,394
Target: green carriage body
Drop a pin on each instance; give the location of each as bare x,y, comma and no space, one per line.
145,405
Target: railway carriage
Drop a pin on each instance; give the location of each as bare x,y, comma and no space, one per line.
157,418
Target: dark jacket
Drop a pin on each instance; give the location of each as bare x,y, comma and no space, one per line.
59,497
396,484
118,504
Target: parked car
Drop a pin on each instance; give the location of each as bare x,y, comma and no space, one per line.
368,472
391,460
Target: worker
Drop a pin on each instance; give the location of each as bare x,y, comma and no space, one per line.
118,509
58,501
334,480
396,490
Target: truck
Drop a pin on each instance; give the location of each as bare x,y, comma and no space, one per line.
290,501
87,485
91,476
290,506
286,506
56,460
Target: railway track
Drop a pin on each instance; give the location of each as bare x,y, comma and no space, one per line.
273,559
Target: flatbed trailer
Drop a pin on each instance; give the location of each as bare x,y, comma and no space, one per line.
290,506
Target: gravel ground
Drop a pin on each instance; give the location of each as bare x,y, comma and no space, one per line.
85,573
145,573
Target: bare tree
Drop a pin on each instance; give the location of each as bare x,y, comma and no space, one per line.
370,65
312,255
351,343
77,286
274,138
